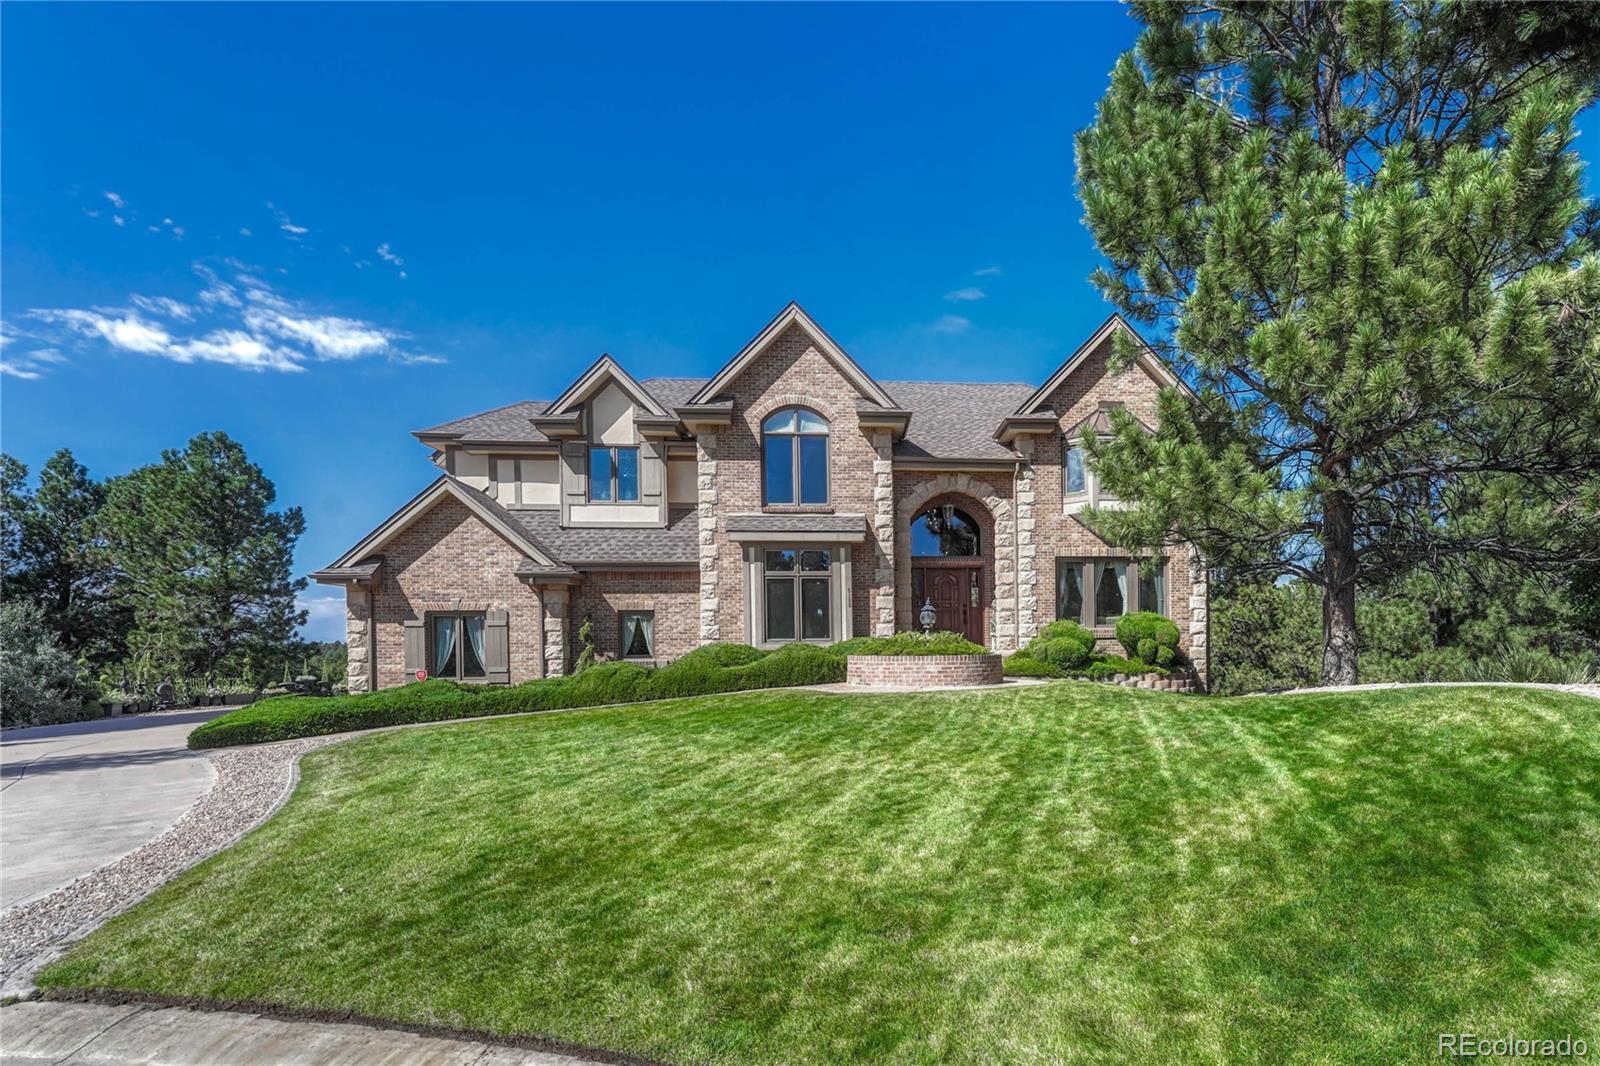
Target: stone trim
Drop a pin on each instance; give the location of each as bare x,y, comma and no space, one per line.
883,533
553,602
1003,603
706,459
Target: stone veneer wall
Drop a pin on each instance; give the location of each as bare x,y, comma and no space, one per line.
790,372
449,560
357,639
673,596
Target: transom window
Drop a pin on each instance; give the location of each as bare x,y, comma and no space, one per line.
637,636
944,530
796,585
455,646
1097,592
794,457
613,474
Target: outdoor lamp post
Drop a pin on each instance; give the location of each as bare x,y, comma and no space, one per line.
927,616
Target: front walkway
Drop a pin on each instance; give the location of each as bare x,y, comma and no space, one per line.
42,1033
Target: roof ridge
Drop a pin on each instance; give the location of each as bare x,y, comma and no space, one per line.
490,411
938,381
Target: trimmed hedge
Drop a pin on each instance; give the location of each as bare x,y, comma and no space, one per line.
1149,636
1066,649
910,643
712,669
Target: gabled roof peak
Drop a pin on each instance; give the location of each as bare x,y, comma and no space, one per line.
603,369
791,315
1148,360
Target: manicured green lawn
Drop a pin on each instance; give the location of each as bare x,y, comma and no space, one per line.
1069,872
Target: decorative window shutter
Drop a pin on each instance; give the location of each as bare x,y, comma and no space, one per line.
574,458
497,646
416,647
653,464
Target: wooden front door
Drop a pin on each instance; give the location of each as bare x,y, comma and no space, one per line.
956,589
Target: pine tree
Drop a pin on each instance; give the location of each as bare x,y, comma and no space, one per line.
1359,230
205,557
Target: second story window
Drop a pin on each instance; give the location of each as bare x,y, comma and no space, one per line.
613,474
794,457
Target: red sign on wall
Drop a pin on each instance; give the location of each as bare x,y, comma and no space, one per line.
422,675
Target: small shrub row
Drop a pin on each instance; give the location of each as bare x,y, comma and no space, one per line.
1066,649
911,643
711,669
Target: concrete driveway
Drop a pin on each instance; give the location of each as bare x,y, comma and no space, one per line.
75,797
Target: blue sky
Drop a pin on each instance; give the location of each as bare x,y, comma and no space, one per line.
320,227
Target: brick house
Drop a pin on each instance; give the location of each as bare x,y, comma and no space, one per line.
789,497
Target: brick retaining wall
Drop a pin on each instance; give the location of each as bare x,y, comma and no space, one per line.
922,671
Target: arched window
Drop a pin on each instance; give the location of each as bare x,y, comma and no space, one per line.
944,530
794,457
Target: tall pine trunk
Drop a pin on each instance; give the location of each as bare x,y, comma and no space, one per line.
1338,590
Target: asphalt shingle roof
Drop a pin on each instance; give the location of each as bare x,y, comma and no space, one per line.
949,419
509,423
678,542
956,419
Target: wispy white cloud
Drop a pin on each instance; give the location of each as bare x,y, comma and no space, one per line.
116,201
966,295
387,255
285,223
46,355
19,370
987,272
241,321
119,220
165,306
947,324
244,231
324,616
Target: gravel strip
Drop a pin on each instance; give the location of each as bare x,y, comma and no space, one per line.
250,785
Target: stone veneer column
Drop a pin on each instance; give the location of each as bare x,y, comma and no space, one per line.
554,599
705,445
883,533
1027,550
358,639
1199,618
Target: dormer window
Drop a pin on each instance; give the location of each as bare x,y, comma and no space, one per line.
613,474
794,457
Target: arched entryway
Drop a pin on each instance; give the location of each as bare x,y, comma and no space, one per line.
949,549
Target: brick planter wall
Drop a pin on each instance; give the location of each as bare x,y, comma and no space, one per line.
922,671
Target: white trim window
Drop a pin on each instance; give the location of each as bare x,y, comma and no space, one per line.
797,594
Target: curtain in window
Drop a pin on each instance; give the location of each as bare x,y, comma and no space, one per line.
1153,587
444,645
472,664
638,635
1110,592
1069,589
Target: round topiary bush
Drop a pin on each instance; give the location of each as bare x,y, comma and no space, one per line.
1065,627
1148,636
1063,653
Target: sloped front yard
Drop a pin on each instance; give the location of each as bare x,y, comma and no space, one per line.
1065,872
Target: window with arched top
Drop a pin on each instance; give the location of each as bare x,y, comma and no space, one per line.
794,457
944,530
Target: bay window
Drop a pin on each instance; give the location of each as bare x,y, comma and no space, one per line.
1097,592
